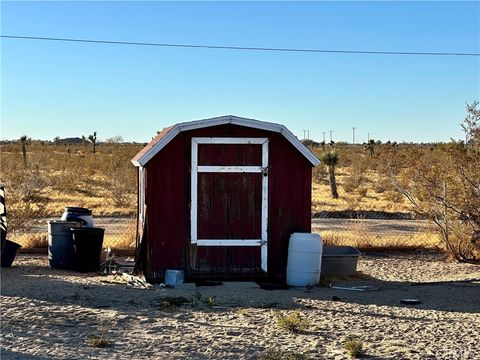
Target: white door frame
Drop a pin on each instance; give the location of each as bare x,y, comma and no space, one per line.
263,241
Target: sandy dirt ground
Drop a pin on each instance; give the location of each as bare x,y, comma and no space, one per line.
50,314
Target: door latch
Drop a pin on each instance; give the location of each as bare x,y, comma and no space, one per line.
265,171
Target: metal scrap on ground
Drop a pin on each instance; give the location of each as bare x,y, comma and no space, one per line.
354,288
136,281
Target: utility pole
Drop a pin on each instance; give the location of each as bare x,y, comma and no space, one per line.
368,137
353,129
308,134
304,136
331,131
324,132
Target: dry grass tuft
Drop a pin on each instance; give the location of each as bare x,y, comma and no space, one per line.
98,341
172,303
275,354
293,322
241,312
354,347
210,301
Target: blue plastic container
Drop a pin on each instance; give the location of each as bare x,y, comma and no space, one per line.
61,251
173,277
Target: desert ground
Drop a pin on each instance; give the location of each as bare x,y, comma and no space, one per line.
50,314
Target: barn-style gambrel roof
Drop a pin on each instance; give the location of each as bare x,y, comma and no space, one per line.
167,135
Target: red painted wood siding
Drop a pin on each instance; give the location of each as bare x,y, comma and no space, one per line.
168,199
229,206
229,154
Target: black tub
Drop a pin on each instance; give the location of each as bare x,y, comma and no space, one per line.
9,252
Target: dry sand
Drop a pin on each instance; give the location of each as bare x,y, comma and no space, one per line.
49,314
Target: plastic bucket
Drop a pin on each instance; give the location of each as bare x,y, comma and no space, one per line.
9,252
173,277
88,244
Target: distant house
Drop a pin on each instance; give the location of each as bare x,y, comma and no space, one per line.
69,141
219,198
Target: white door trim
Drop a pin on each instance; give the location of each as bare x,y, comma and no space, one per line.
230,169
263,241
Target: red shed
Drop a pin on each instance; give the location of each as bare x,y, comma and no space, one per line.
219,198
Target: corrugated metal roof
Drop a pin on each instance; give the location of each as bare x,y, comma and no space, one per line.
167,134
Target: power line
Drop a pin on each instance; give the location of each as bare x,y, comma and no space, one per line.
221,47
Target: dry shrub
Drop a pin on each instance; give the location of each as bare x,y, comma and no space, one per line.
22,215
69,176
319,174
363,239
463,241
29,185
353,202
356,173
26,198
125,240
122,183
381,186
352,182
349,184
362,191
32,240
393,196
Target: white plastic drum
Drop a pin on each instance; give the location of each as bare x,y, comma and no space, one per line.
304,259
78,214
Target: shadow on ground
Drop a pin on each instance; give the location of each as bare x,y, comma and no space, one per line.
38,281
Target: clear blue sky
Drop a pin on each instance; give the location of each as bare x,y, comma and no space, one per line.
68,89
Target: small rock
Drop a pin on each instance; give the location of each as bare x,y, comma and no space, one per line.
233,333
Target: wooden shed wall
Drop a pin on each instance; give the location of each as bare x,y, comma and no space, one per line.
168,198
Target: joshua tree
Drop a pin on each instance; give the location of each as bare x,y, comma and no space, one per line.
84,140
323,145
93,139
24,140
330,158
370,146
331,143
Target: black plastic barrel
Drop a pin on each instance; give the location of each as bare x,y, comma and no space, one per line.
9,252
88,244
61,252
